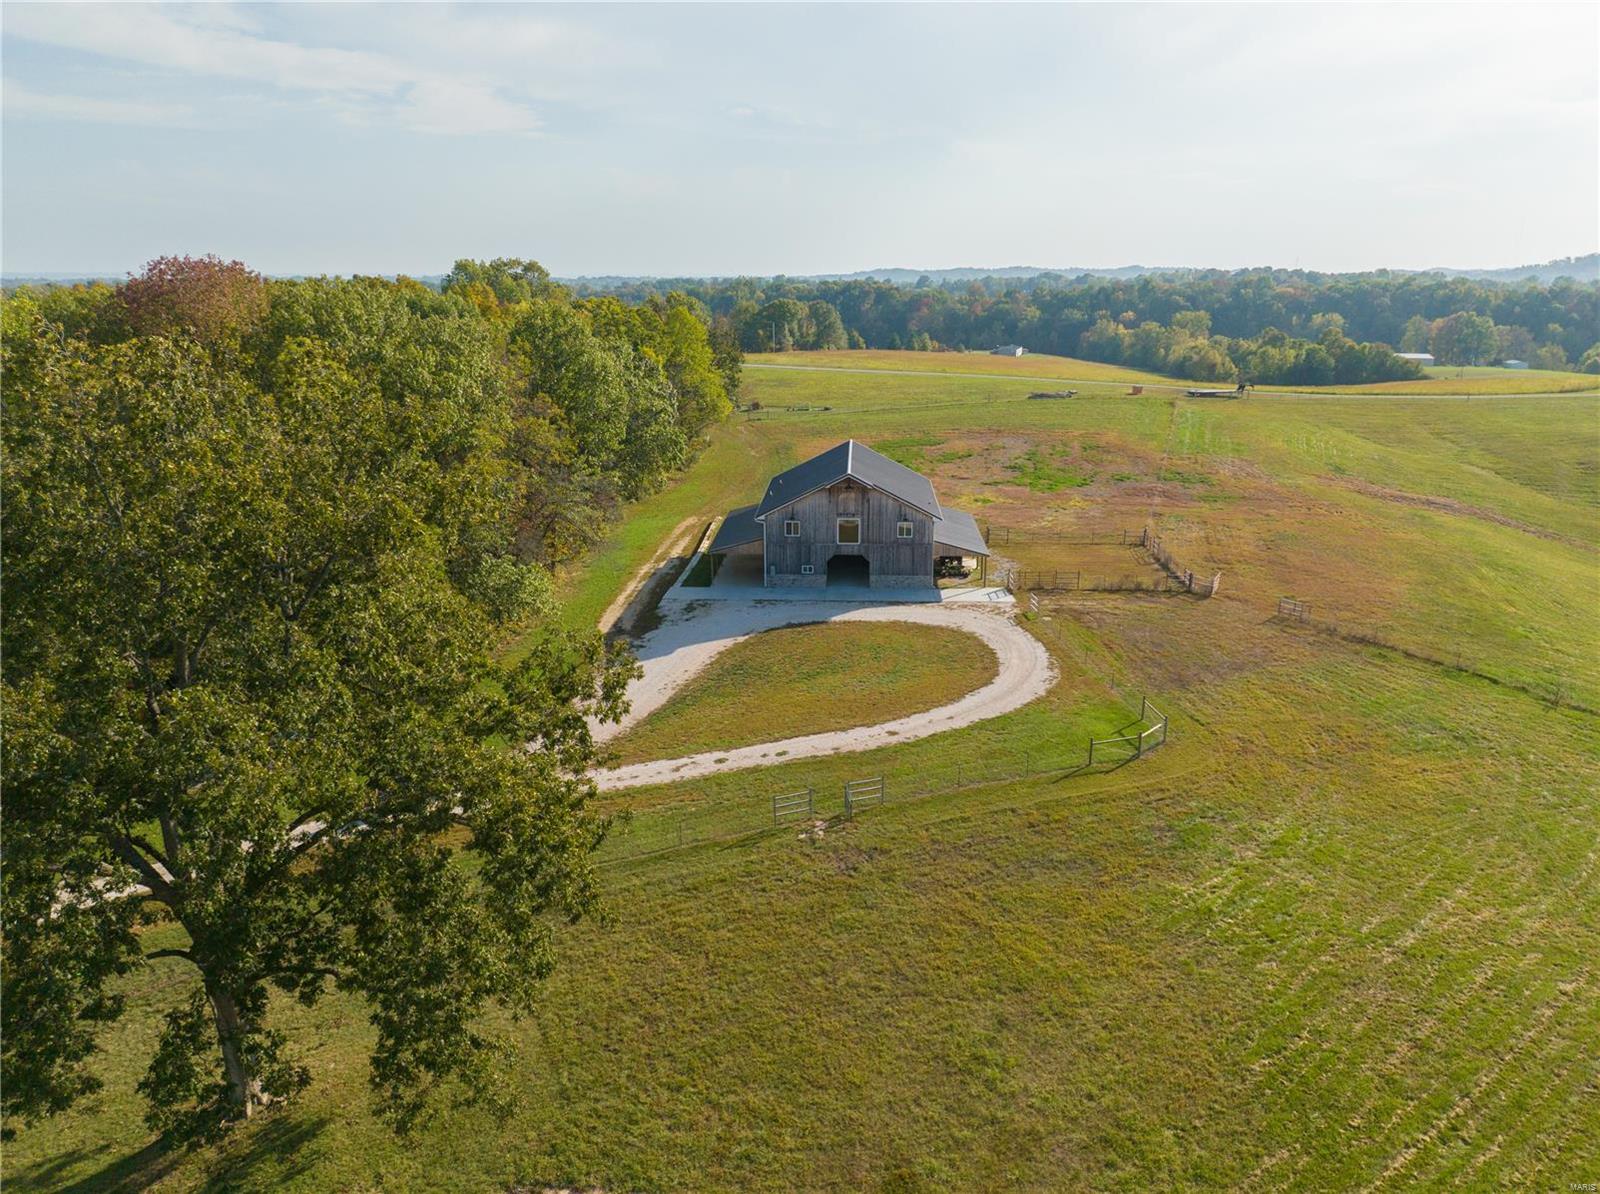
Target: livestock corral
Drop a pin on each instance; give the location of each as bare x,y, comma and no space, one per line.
1339,931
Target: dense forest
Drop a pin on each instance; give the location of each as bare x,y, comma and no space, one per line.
602,399
1255,325
262,541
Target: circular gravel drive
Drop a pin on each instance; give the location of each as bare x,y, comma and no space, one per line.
697,632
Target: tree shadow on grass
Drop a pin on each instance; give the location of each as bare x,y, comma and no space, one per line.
134,1172
277,1150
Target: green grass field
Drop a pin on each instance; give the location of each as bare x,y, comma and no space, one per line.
1457,381
1340,932
1473,379
1032,365
808,679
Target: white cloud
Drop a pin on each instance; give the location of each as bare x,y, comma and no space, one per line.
452,106
227,44
24,101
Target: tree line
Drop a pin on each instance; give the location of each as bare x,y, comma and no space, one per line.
262,541
1262,325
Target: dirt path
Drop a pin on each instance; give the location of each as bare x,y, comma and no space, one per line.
697,633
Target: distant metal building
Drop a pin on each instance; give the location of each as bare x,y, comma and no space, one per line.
1007,350
1421,358
1514,364
852,517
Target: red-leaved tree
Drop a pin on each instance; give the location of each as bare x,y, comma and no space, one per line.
205,297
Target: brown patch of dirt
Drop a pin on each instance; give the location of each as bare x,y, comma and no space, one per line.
1445,505
848,859
627,612
839,852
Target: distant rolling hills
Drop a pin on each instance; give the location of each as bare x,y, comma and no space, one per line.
1584,269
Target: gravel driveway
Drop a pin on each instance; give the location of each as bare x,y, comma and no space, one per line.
697,632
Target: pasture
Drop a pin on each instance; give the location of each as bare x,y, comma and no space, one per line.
1450,380
1482,379
1031,365
1341,931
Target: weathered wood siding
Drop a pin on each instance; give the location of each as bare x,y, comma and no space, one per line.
893,561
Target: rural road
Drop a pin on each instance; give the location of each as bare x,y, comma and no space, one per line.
696,633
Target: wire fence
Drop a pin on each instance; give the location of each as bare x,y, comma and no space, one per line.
1175,579
1193,584
1145,739
736,805
1556,691
1065,580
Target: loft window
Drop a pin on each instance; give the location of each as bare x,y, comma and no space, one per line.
791,528
849,530
902,530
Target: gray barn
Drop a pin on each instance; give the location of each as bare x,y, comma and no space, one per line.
850,516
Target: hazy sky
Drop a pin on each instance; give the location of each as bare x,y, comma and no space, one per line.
798,139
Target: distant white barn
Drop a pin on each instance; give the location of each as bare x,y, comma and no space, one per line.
1421,358
1007,350
1515,364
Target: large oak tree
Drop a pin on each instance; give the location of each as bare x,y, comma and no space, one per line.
253,576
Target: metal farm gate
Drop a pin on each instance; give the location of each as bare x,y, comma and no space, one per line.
862,793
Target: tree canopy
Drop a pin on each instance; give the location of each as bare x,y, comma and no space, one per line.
1556,321
257,566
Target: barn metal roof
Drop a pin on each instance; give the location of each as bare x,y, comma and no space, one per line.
959,530
857,461
738,528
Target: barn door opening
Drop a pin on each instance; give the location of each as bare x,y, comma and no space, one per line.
849,572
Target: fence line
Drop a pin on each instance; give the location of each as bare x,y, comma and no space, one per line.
1159,553
1177,577
1066,580
733,816
1145,739
1555,692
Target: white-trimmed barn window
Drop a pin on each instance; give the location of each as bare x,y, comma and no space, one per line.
903,530
791,528
849,530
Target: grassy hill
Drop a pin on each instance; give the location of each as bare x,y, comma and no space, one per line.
1044,367
1475,379
1037,365
1341,931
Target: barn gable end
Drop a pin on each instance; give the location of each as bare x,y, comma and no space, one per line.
851,515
